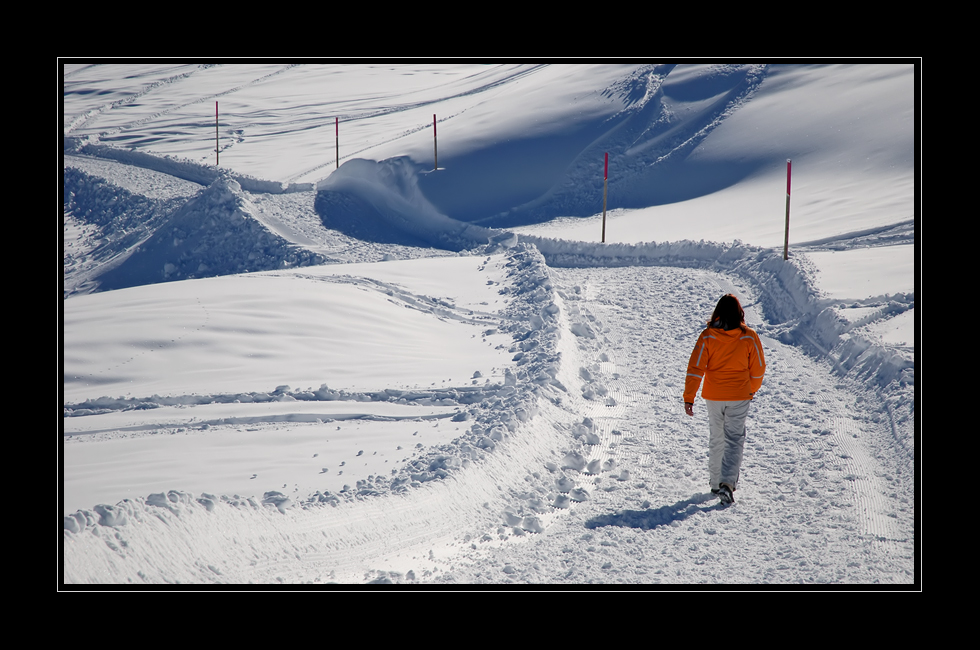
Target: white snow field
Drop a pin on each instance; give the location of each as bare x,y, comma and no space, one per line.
379,340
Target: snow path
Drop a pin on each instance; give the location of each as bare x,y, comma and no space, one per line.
811,492
606,484
544,442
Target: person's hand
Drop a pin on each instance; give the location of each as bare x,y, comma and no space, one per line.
689,408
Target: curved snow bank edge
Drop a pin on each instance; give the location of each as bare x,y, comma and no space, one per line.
795,311
184,169
450,491
387,194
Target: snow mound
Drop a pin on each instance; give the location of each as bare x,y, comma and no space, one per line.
213,234
382,202
108,223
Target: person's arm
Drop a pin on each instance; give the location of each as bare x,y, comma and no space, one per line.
757,365
696,366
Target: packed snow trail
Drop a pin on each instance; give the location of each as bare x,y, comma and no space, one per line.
606,484
575,464
823,498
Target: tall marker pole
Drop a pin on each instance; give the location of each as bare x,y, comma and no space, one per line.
217,152
789,169
336,137
435,144
605,185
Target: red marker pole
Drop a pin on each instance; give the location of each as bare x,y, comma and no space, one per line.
435,144
789,169
336,136
216,148
605,185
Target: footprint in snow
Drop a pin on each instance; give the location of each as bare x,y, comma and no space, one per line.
564,484
579,494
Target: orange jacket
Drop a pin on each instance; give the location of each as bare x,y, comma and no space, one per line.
731,363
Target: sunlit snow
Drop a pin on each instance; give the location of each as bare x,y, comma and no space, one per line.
324,361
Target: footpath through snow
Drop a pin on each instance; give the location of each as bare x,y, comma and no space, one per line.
579,466
547,444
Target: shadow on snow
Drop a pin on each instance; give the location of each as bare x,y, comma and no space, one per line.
656,517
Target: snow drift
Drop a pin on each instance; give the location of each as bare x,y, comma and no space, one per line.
214,233
382,202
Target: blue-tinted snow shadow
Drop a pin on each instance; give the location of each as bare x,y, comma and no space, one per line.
554,170
652,147
478,186
656,517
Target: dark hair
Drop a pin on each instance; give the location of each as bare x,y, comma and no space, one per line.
728,314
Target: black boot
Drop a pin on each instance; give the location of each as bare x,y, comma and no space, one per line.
725,494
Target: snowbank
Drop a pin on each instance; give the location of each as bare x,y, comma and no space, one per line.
382,202
188,170
491,413
214,233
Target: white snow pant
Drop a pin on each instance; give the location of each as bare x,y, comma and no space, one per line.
726,426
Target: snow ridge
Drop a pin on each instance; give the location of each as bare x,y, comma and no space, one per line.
496,412
119,222
188,170
214,233
503,444
502,421
382,202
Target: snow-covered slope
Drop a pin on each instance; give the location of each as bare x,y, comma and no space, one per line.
489,394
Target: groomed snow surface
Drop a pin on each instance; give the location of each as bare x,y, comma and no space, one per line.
304,368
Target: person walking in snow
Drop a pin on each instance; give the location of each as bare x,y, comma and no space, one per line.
728,356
